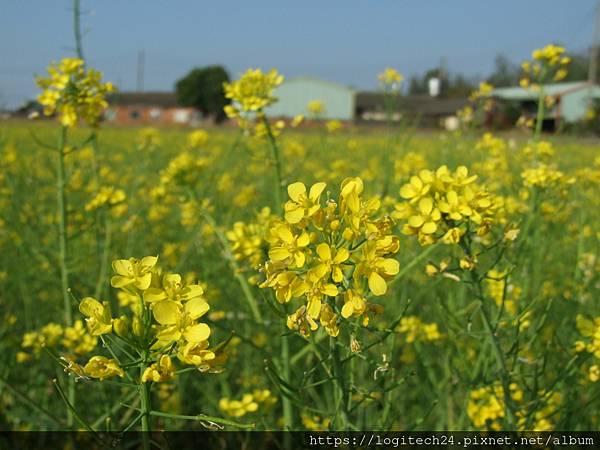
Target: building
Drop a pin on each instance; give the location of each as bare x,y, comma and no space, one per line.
148,108
421,110
295,94
571,101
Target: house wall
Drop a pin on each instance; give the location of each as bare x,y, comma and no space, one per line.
147,115
575,104
295,94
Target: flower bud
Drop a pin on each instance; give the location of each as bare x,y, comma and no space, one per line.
121,326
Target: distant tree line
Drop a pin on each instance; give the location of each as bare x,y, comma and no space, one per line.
505,73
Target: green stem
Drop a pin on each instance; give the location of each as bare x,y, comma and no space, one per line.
540,114
100,284
31,403
340,391
71,408
476,281
277,158
61,204
288,417
62,227
203,417
237,273
145,404
504,374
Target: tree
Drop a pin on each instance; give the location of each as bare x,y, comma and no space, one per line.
505,73
202,88
450,85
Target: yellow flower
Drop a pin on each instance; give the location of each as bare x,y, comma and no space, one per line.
311,250
73,92
160,371
238,408
301,205
354,304
317,289
390,78
289,246
376,268
173,289
180,322
287,285
418,186
316,107
452,236
328,319
425,218
98,316
133,272
102,367
594,373
77,340
300,320
331,261
197,138
195,353
252,92
333,125
485,90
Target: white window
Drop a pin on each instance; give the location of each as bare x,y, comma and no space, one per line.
155,113
181,116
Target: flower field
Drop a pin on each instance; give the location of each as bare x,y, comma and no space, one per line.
281,277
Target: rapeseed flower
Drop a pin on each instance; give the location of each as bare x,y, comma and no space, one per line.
329,253
73,92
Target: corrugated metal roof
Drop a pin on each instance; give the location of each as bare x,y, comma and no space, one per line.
162,99
554,89
310,79
419,104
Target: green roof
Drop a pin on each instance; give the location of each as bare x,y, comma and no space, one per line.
309,79
554,89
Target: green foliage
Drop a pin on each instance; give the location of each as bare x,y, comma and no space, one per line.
203,89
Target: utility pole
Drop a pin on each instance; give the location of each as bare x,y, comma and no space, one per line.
77,29
140,70
593,68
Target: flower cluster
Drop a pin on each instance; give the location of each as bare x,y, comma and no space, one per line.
252,92
197,138
185,169
73,92
544,176
331,255
148,138
414,329
247,239
486,408
316,108
165,322
390,79
483,91
445,205
503,293
548,64
590,330
74,341
249,403
110,197
538,150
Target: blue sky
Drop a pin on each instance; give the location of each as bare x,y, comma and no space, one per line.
346,41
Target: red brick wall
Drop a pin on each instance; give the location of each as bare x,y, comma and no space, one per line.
124,115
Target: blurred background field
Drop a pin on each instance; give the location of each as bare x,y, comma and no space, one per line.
430,368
